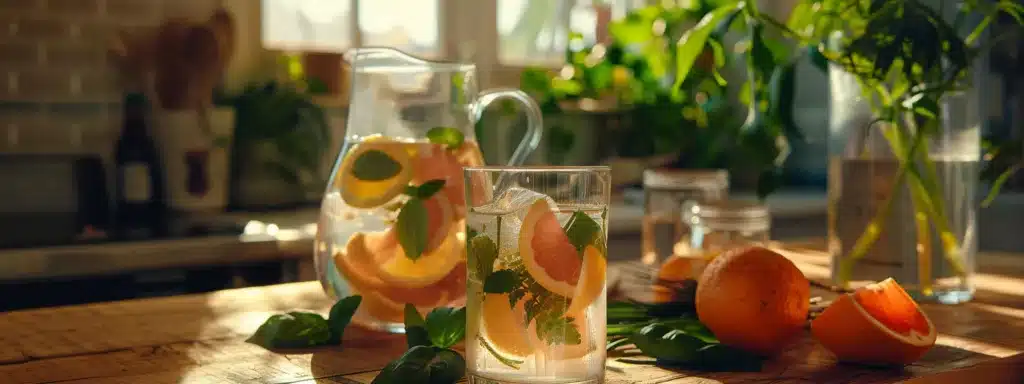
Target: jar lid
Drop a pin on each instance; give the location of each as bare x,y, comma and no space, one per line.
728,214
668,178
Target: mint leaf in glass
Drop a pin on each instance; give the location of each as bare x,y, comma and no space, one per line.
374,165
446,136
482,253
340,315
446,326
501,281
582,231
554,329
411,228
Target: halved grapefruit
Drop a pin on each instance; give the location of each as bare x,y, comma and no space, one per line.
878,324
358,265
503,326
371,193
546,252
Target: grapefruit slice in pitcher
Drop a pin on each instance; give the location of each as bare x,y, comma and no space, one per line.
878,324
552,260
374,172
430,267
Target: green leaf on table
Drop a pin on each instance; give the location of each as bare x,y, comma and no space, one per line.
411,228
668,344
446,326
691,45
292,330
447,136
447,367
502,281
721,357
412,368
340,315
374,165
582,231
415,328
482,253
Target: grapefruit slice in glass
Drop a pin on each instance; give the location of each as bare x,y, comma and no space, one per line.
879,324
502,326
546,252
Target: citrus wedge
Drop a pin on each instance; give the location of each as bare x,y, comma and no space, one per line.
546,252
592,279
502,326
373,173
878,324
358,264
430,267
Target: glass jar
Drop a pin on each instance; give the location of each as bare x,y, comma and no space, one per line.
718,226
666,191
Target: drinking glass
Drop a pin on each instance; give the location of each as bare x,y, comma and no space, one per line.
537,246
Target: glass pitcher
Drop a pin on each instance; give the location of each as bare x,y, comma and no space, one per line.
392,220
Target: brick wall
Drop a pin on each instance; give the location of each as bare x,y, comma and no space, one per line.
58,91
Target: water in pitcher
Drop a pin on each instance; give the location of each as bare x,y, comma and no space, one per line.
534,317
376,179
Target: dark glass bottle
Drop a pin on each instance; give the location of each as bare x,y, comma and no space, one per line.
141,207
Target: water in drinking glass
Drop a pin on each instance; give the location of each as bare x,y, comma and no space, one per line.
536,294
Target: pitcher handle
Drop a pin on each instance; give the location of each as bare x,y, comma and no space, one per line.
534,122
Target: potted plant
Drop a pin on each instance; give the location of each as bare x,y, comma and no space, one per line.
653,107
902,173
281,138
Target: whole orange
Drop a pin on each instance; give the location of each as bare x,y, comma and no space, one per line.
753,299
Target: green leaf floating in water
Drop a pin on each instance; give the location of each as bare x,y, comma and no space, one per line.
411,228
582,231
447,136
374,165
501,281
425,190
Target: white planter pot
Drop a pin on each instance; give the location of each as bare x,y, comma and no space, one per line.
195,161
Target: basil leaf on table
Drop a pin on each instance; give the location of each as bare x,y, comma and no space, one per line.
424,364
292,330
415,328
446,326
341,314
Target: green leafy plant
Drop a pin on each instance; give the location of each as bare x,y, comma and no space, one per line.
430,358
905,57
306,329
411,224
284,117
667,78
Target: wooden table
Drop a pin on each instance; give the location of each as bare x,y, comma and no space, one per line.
199,339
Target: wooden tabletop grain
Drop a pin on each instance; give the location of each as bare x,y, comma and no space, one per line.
200,339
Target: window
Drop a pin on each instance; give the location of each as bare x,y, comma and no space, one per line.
336,25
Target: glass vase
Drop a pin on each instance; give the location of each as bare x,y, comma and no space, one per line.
912,218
